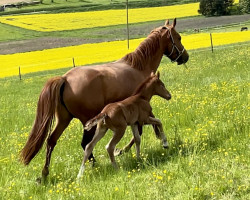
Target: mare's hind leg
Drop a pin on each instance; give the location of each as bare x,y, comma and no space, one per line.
87,137
63,120
100,132
118,134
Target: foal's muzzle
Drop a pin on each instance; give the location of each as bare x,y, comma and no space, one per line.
168,97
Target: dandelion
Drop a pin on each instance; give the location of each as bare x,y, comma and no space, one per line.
116,189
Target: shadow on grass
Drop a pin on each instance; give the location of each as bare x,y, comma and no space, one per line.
152,157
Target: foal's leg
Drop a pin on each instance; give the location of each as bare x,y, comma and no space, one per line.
63,121
100,132
137,139
157,122
118,134
87,137
130,144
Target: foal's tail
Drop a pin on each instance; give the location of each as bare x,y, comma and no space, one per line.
48,103
92,122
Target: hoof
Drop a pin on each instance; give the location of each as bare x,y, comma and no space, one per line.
118,152
166,147
39,180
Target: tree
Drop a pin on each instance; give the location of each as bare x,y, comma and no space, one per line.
215,7
244,6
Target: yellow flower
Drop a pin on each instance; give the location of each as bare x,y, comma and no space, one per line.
100,52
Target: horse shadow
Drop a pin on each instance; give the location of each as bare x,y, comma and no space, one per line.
157,156
152,157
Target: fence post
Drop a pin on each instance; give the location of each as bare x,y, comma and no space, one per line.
127,23
20,76
212,47
74,62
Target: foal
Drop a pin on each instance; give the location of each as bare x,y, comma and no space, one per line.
131,111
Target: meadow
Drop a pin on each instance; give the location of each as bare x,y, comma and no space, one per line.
206,122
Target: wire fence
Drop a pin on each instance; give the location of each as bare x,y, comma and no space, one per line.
56,72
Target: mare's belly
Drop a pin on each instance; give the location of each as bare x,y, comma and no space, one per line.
88,89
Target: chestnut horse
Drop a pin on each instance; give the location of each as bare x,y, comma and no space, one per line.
84,91
131,111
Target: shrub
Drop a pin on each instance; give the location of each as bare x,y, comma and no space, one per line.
244,6
215,7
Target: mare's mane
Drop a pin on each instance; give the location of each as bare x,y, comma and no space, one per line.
144,51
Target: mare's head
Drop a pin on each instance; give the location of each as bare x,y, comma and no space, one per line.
171,43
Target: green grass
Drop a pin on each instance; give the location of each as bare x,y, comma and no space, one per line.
206,122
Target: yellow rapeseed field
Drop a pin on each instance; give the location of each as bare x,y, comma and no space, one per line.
100,52
79,20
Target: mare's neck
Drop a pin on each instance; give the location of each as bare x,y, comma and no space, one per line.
153,62
147,57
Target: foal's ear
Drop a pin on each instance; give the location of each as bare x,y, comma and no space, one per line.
167,22
174,22
158,74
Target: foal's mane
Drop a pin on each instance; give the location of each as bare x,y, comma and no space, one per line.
143,85
144,51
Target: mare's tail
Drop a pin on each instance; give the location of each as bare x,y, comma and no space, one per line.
92,122
48,103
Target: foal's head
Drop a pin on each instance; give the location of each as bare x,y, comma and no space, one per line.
153,86
158,87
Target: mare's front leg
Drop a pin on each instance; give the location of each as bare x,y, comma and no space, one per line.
86,139
157,122
100,132
137,139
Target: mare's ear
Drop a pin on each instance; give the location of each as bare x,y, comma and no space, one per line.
167,22
174,22
158,74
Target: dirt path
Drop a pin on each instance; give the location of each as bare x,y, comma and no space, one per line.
143,30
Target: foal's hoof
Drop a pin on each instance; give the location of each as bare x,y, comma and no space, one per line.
39,180
166,147
118,152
